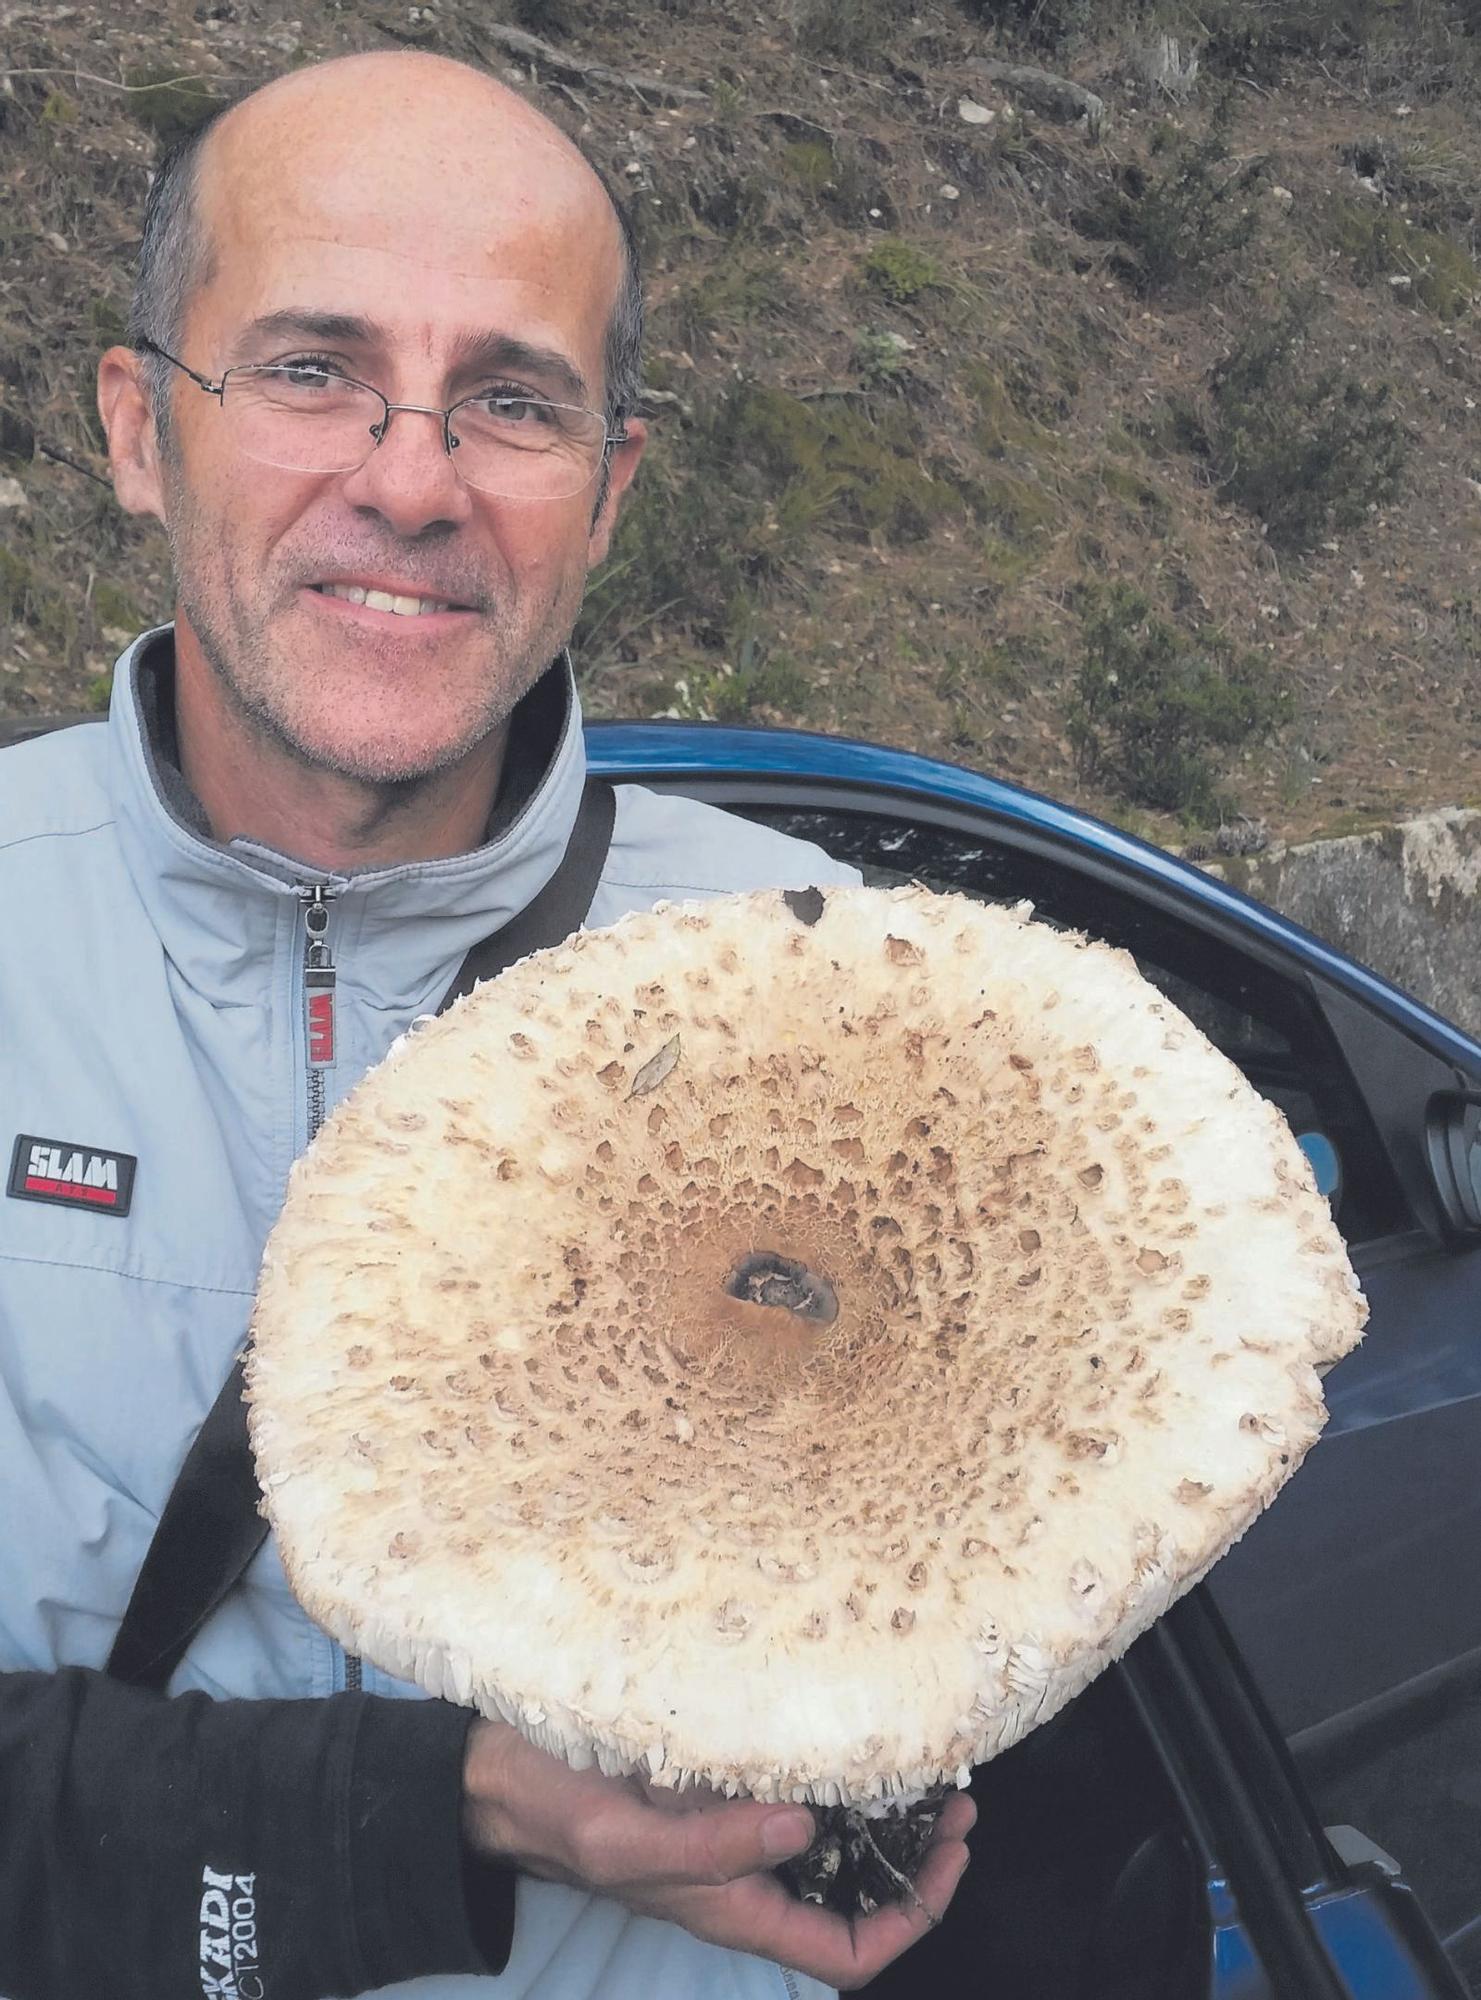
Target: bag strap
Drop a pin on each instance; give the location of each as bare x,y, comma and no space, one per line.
550,917
212,1525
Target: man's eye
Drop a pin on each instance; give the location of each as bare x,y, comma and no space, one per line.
309,371
508,408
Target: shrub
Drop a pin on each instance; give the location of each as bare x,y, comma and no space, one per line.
858,467
853,31
1307,450
899,271
732,692
739,288
808,164
1182,216
690,544
724,505
879,358
1255,37
1041,24
1152,707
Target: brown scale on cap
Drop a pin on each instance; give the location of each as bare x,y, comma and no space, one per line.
766,1344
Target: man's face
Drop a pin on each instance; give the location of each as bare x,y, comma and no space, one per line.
442,239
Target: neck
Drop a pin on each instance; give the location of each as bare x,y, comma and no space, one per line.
254,787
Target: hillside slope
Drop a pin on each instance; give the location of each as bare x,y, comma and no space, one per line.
1132,456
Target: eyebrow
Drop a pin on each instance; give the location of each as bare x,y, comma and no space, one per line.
473,353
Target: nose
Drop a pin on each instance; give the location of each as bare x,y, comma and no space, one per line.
409,479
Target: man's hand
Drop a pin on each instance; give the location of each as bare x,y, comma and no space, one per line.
705,1865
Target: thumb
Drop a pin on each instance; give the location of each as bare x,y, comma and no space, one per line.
712,1844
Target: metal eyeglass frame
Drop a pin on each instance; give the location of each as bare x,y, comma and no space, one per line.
144,345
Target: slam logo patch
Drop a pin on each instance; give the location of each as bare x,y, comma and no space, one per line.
72,1176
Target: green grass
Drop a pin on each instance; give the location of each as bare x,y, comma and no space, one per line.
1382,244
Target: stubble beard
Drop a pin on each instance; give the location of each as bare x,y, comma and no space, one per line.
265,691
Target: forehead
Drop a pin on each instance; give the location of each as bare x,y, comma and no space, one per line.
435,228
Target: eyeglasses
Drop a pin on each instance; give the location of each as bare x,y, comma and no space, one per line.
303,416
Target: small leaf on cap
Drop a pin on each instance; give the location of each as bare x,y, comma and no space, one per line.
653,1072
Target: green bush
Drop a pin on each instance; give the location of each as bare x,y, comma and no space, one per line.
1042,24
733,692
899,271
808,164
853,31
1152,708
880,358
859,467
725,506
1308,449
1181,217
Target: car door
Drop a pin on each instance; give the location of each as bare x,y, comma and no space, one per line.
1354,1601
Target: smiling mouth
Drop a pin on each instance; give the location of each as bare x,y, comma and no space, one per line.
385,600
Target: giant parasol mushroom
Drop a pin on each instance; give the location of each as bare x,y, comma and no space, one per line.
788,1344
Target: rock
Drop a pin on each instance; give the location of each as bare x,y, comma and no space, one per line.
12,493
1041,90
973,113
1404,899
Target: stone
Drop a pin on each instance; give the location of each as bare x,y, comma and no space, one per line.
1404,899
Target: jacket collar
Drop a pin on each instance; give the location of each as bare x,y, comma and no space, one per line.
217,905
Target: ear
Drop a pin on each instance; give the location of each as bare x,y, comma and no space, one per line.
621,467
133,444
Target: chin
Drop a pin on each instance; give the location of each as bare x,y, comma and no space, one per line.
391,755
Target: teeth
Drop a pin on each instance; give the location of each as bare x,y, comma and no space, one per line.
383,600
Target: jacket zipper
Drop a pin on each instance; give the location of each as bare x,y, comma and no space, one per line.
319,1045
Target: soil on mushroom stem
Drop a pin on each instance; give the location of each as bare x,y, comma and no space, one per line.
858,1864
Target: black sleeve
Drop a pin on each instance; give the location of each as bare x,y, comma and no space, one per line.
169,1849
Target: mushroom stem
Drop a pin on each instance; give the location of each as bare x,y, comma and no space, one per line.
857,1862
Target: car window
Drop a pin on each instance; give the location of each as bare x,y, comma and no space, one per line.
1263,1021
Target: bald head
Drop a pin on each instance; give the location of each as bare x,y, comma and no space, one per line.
419,148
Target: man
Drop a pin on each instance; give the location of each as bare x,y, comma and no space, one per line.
356,723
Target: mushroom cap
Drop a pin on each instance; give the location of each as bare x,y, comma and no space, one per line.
554,1417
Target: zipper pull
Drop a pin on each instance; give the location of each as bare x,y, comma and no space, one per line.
318,979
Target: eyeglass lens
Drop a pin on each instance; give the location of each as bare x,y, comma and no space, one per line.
308,420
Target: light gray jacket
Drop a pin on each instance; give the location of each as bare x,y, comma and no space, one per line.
152,1005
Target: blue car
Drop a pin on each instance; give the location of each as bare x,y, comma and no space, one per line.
1276,1794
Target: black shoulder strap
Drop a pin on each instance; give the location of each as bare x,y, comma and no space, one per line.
550,917
211,1527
